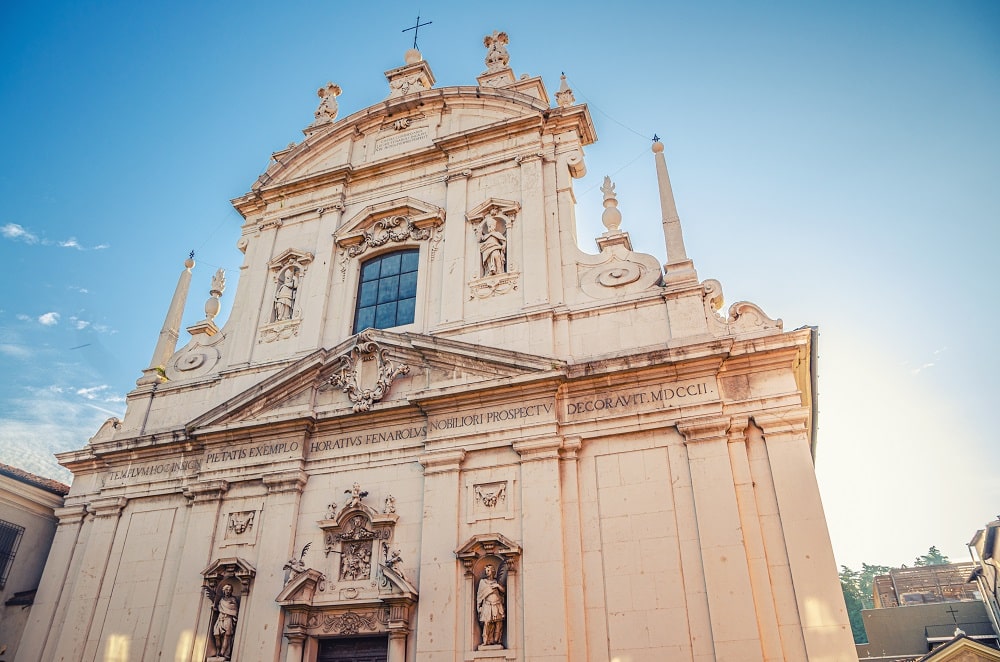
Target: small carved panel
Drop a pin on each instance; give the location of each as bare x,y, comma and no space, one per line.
490,499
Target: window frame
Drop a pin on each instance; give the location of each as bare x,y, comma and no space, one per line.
402,251
10,539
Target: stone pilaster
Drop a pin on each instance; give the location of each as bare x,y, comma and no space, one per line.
72,636
531,235
262,628
543,579
188,602
449,275
820,601
318,285
723,553
753,539
576,617
439,617
55,583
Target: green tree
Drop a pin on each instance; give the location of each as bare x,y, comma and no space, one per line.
932,557
858,594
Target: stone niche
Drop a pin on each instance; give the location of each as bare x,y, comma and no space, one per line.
226,586
490,559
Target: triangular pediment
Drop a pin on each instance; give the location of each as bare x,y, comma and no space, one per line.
371,371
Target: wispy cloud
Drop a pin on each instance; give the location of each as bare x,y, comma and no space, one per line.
917,371
16,351
49,319
93,392
23,317
18,233
78,323
83,290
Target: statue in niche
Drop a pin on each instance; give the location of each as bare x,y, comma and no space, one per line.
284,294
490,606
493,245
225,611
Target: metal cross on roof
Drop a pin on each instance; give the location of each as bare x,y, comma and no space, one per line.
416,29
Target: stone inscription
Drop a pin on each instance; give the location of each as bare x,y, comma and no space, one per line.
368,439
259,452
398,140
489,417
664,396
151,471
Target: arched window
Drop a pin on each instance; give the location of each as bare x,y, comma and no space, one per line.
387,291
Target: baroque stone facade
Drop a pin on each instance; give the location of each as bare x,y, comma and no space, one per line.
435,429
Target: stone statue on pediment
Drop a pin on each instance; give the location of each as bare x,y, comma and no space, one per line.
497,56
327,110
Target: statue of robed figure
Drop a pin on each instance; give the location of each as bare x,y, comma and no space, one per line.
490,599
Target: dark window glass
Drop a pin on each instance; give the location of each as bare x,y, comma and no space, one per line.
387,293
10,538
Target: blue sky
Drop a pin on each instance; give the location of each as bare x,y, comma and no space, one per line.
836,163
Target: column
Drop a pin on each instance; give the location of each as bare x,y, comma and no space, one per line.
260,629
187,602
72,637
438,615
720,536
296,643
42,621
542,578
825,626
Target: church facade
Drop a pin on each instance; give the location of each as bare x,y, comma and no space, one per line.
434,429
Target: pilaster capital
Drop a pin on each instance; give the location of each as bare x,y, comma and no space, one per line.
738,429
107,506
459,174
779,423
209,490
532,450
704,429
442,461
285,481
528,157
71,514
569,449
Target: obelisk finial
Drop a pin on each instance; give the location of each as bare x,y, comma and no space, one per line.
679,268
166,345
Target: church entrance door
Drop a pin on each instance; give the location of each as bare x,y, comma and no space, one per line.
354,649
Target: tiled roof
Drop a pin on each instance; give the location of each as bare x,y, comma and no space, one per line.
47,484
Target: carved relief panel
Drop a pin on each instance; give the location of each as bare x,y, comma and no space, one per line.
490,497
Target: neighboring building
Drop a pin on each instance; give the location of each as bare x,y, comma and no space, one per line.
947,582
986,558
541,455
28,507
918,609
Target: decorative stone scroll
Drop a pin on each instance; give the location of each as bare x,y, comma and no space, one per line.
744,318
404,220
364,387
